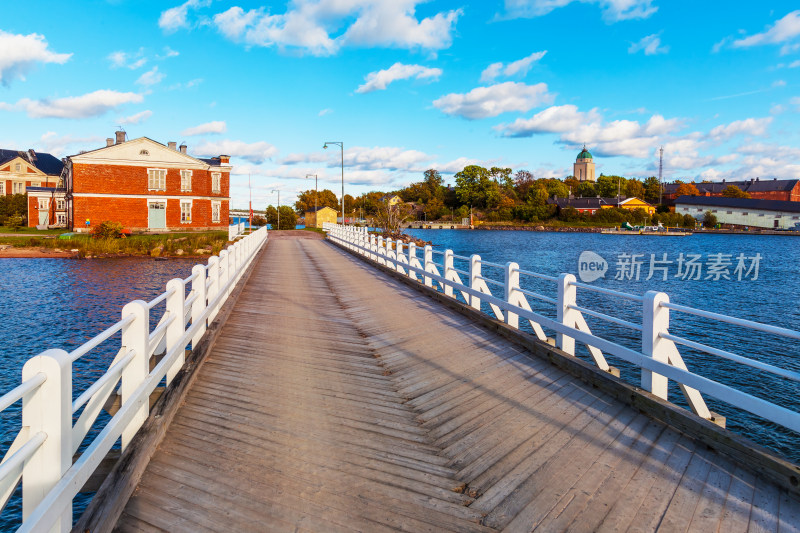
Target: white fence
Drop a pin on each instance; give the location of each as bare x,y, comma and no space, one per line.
235,230
659,358
41,456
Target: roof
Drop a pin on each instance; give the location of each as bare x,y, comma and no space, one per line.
591,202
315,209
47,163
740,203
584,153
753,185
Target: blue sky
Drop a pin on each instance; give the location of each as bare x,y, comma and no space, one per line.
410,85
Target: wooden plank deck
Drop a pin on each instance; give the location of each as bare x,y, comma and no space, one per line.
338,399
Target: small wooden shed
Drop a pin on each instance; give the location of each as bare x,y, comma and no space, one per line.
315,219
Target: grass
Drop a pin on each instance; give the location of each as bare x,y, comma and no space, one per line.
25,230
153,245
315,230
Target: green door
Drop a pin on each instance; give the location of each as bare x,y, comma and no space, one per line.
157,215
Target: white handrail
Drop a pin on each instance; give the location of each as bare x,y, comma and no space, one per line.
48,432
659,358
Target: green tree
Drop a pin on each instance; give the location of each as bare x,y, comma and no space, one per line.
15,221
732,191
472,184
634,188
537,197
325,198
523,181
688,221
557,188
288,218
272,216
709,219
606,186
652,190
502,176
434,209
586,189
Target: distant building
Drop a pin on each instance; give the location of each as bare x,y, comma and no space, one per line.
145,185
583,169
20,170
316,218
774,189
593,204
742,211
391,199
47,207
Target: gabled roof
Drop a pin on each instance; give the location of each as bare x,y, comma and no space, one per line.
754,185
316,209
47,163
739,203
128,150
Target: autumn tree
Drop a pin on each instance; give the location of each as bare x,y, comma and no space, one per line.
325,198
634,189
687,189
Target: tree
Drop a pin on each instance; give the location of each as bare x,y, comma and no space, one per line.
537,197
687,189
272,216
652,190
688,221
434,182
288,218
709,219
586,188
607,186
732,191
325,198
557,188
523,181
502,176
634,189
390,217
471,185
434,209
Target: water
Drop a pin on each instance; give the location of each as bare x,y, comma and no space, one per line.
772,299
58,303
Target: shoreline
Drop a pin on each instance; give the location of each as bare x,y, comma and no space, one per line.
27,252
600,229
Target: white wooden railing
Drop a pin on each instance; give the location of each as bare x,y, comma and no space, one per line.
659,358
235,230
41,456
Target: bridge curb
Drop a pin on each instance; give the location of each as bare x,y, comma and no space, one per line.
103,512
738,448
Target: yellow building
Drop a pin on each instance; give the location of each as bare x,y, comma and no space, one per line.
629,203
315,219
391,199
583,169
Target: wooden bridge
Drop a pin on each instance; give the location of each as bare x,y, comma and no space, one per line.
335,398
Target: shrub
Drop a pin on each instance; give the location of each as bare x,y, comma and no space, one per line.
15,221
107,230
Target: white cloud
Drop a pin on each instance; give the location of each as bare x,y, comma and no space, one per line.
92,104
779,83
651,45
795,101
555,119
613,10
175,18
484,102
795,63
57,145
365,158
256,152
120,59
784,29
137,118
748,126
519,67
151,77
217,126
19,54
379,80
308,25
326,111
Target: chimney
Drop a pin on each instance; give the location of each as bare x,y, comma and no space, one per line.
224,159
31,155
109,142
183,148
120,137
172,145
757,178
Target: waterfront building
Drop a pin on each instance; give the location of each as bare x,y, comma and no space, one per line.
749,212
20,170
774,189
583,169
316,217
47,207
593,204
146,185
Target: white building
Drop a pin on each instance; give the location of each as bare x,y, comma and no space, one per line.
749,212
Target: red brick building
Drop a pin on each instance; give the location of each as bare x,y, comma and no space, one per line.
774,189
147,186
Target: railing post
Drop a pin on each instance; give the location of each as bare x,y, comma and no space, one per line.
48,410
428,251
381,251
176,304
389,261
213,285
655,320
567,294
223,275
136,337
474,274
412,258
448,271
511,287
199,304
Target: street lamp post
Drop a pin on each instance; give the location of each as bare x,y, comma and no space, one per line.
340,144
279,207
316,193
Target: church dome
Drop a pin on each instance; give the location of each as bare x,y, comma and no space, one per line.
584,154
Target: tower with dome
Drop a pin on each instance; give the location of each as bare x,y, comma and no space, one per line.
583,169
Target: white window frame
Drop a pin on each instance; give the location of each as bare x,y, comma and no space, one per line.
183,219
61,204
44,203
61,219
36,184
18,167
156,182
216,182
3,187
218,206
18,187
186,181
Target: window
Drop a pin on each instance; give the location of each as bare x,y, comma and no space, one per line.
745,213
186,180
61,219
43,203
3,188
795,218
156,179
186,211
61,204
729,212
216,177
17,167
18,187
215,208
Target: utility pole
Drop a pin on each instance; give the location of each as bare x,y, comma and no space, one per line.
279,207
660,170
